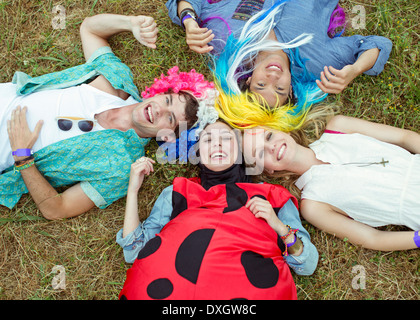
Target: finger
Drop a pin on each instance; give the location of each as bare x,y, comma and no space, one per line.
38,127
321,86
148,32
334,71
148,21
150,166
250,202
148,25
13,117
331,84
200,39
326,88
329,75
201,50
9,132
151,160
17,116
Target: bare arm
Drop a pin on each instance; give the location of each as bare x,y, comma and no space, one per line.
335,81
140,168
95,32
330,220
52,205
406,139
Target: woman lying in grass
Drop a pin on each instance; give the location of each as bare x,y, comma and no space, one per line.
216,236
261,53
357,176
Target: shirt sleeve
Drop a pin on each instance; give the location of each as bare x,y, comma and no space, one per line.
158,218
172,7
350,48
104,192
383,44
306,262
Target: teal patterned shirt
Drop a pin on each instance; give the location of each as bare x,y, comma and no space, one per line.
102,62
99,160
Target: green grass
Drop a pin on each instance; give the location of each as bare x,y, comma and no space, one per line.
31,246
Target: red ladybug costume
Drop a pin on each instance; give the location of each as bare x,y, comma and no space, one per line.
214,248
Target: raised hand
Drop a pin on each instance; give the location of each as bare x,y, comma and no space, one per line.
198,38
140,168
334,80
145,30
20,136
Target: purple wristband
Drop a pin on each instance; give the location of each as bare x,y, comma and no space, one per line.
22,152
417,238
187,16
292,243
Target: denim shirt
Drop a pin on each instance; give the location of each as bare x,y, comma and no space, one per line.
304,264
297,17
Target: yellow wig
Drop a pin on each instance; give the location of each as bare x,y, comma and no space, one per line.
247,110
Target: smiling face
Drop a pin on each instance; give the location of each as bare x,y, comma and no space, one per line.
218,146
272,150
271,77
163,111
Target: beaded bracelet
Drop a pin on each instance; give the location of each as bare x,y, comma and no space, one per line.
291,231
288,245
24,166
23,161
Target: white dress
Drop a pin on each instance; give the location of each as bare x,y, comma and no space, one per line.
374,182
82,101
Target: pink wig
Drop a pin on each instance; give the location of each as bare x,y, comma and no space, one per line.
192,82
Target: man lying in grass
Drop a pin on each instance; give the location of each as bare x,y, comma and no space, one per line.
57,124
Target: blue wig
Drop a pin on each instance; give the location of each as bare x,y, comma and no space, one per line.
235,62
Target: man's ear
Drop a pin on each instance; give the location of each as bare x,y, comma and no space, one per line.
166,135
168,138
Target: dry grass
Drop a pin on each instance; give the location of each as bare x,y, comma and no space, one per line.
30,246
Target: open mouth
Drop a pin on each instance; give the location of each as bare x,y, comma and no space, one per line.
218,155
275,67
148,114
281,152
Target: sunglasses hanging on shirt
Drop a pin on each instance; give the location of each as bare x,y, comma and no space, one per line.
66,123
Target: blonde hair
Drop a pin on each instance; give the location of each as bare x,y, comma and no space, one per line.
312,129
248,110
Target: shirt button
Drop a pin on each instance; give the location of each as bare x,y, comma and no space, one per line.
361,41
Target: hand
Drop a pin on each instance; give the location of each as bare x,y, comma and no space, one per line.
20,136
198,38
335,81
262,209
144,30
139,169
